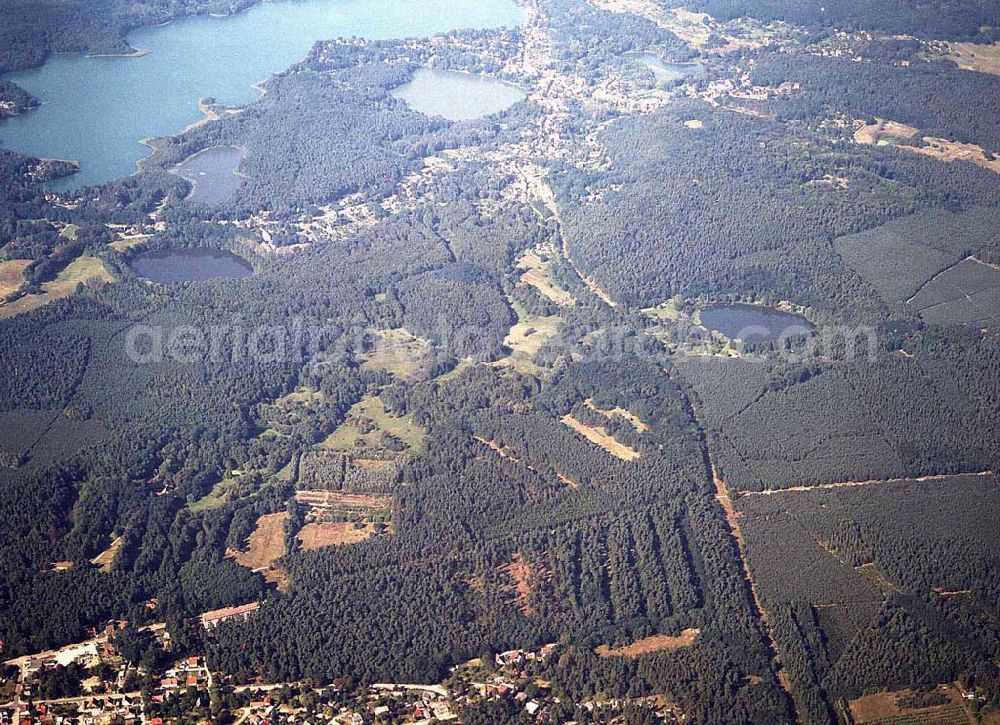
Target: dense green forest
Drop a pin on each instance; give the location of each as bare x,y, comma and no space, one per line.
557,464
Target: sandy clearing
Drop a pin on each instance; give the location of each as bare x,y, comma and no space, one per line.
106,558
333,533
656,643
883,132
266,543
343,500
600,437
609,413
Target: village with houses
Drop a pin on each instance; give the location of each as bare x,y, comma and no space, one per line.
97,682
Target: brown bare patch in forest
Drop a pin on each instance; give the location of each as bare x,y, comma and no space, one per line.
609,413
500,450
869,482
401,353
277,577
537,270
61,566
371,464
886,133
656,643
884,707
265,545
871,572
506,453
600,437
107,557
333,533
525,577
567,481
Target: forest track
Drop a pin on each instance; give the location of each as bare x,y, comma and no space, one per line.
870,482
543,191
725,501
936,275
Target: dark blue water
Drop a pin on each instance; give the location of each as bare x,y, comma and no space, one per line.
189,265
752,323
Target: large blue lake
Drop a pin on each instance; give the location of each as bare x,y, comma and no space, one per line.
98,110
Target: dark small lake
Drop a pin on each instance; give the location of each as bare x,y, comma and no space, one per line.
752,323
190,265
457,96
212,174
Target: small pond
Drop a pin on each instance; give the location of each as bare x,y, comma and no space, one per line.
189,265
663,71
457,96
753,323
212,174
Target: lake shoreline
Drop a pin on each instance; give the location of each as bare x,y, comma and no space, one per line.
114,108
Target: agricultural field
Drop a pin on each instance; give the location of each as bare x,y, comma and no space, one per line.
537,268
948,151
333,471
66,437
22,429
12,276
941,705
82,270
526,338
813,432
45,436
320,534
976,57
883,133
967,293
345,504
334,518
